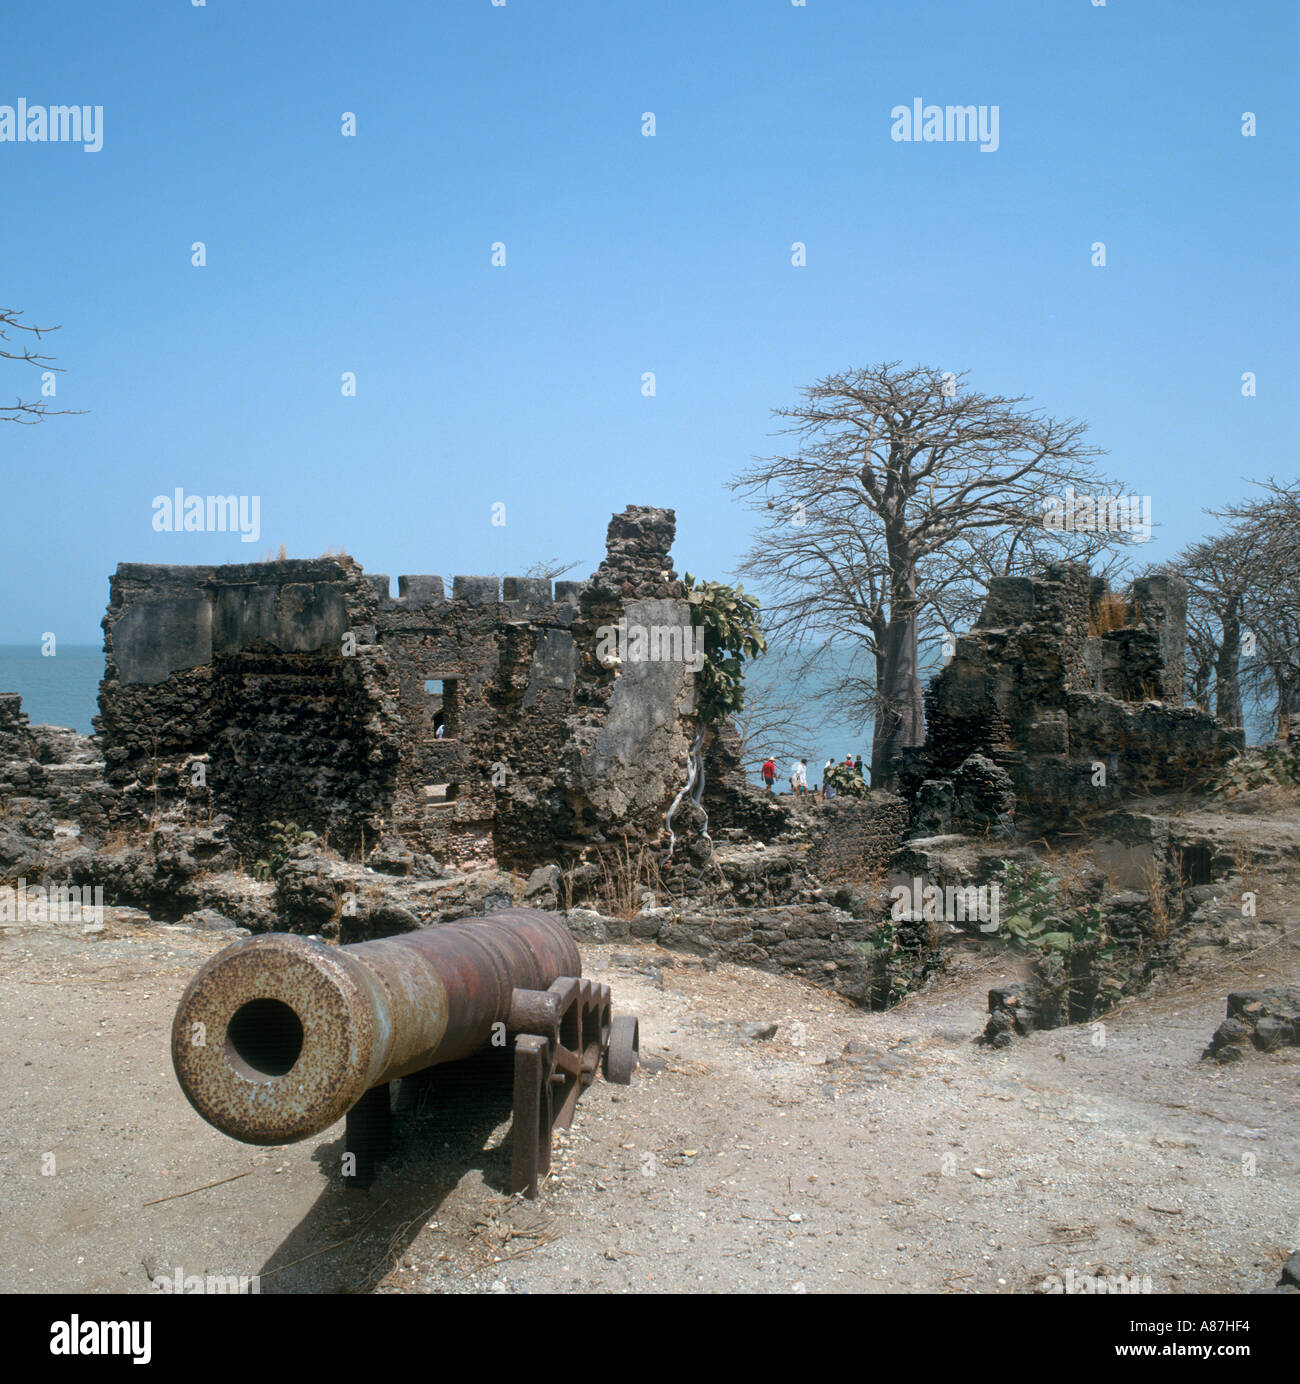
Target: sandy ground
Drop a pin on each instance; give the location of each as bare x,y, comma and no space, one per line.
919,1162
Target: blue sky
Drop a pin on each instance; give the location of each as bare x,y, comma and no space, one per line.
522,124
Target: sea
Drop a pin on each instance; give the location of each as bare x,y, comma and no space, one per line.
59,689
63,690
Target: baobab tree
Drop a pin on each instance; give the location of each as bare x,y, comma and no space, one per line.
1268,528
1221,573
906,491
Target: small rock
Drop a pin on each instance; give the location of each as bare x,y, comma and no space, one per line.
545,878
208,920
758,1031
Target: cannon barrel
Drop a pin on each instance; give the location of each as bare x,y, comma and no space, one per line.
279,1036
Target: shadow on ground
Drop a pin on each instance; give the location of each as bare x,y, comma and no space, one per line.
444,1125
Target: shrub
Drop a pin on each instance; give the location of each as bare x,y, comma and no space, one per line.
284,837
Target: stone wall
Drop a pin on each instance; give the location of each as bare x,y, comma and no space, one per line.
1079,716
468,727
15,730
53,794
253,690
853,838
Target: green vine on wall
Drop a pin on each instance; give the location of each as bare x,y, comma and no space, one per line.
732,634
730,623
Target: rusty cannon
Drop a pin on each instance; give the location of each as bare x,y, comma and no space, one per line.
279,1036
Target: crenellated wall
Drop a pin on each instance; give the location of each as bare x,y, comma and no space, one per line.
474,726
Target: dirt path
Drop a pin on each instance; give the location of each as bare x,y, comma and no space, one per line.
919,1161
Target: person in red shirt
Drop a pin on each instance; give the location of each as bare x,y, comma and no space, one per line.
769,772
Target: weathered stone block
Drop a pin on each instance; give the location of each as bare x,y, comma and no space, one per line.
479,590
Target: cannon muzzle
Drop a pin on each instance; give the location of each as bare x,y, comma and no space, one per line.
279,1036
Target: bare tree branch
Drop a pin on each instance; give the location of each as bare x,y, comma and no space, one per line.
15,348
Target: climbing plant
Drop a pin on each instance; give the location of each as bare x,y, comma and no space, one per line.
732,634
729,621
1033,915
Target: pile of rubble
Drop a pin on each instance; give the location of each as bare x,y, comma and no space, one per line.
1265,1020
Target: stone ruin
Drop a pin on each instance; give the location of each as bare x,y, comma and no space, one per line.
463,750
490,726
478,725
1072,701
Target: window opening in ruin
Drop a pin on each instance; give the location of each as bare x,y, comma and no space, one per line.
440,794
444,707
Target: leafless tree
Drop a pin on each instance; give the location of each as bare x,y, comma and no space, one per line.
551,569
16,347
906,492
546,569
1268,526
1243,609
774,720
1220,573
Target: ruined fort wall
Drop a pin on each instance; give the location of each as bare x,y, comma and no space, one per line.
1032,687
302,691
254,690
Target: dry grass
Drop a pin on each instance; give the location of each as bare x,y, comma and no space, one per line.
1070,867
1157,895
1248,868
566,889
622,886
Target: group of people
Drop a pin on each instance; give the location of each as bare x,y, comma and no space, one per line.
799,776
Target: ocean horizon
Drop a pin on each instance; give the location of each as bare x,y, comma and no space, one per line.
59,689
62,689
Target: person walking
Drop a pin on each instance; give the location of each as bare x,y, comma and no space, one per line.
768,771
799,779
857,764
